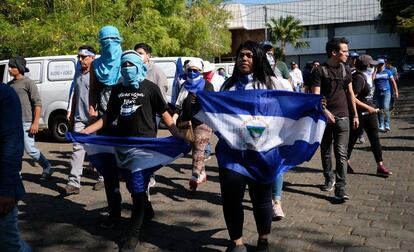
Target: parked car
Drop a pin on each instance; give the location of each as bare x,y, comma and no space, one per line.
53,76
408,65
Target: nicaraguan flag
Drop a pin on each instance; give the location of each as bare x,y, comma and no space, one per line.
263,133
179,74
139,155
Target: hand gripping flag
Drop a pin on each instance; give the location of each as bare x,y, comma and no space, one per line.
130,155
263,133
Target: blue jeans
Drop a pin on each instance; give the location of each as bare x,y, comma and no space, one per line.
30,148
277,188
382,99
9,234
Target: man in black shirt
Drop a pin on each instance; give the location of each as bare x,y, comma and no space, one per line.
333,81
133,105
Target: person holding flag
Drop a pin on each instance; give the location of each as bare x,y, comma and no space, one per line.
134,105
262,133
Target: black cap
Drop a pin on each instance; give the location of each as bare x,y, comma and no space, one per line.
20,63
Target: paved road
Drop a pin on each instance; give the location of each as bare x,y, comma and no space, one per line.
379,216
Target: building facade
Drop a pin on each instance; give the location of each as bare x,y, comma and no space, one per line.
357,20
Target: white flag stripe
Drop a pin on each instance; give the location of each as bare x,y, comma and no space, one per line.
278,131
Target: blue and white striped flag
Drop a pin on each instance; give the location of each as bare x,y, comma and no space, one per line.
134,154
263,133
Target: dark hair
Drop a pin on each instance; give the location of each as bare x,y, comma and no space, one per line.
360,66
261,67
147,48
87,47
334,45
220,68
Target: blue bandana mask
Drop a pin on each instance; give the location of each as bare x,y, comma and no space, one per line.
135,74
193,75
108,65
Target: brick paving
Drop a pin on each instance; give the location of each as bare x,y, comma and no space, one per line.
379,216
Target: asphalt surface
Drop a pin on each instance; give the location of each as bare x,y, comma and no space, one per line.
378,217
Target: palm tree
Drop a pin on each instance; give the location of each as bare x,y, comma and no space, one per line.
287,30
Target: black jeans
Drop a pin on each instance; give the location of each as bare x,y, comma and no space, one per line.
337,132
369,123
233,186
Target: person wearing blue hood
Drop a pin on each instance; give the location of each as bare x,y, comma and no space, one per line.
104,75
106,72
134,104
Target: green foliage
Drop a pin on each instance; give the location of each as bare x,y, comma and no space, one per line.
398,14
287,30
171,27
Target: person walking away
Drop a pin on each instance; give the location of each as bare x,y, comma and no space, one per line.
11,154
31,104
333,80
202,133
134,105
364,92
384,82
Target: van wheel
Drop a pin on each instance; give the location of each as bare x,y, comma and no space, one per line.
59,127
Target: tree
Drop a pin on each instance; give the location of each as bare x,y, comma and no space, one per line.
287,30
398,14
171,27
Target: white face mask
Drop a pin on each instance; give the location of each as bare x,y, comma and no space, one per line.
270,59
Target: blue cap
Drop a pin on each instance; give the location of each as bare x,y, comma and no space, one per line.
380,61
353,54
109,31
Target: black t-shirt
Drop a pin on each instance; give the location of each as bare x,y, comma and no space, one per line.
361,88
333,87
135,109
188,109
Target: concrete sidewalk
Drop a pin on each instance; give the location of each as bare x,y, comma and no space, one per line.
379,216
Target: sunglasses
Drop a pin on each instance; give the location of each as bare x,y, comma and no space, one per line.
192,70
82,57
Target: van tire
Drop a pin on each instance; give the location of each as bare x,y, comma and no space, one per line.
58,127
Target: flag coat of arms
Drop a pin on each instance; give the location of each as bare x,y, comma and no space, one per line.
263,133
130,155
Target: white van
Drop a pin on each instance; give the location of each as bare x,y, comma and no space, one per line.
53,76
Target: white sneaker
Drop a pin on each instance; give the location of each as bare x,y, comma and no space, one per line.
196,180
278,213
152,181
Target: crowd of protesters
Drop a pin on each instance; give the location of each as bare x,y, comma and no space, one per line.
357,92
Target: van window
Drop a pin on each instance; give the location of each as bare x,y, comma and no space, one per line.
2,68
35,72
60,70
168,67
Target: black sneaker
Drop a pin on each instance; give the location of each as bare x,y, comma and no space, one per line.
110,222
130,244
341,195
236,248
328,186
262,245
